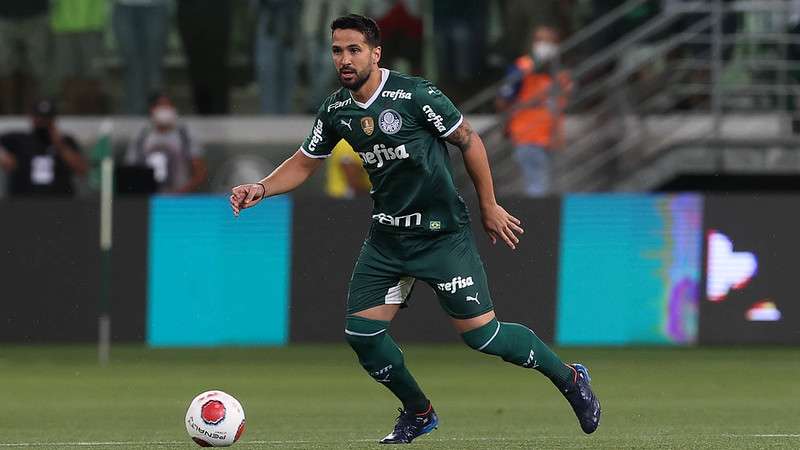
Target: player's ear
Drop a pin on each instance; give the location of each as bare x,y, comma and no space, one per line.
376,54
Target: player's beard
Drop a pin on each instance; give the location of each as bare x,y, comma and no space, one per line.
358,81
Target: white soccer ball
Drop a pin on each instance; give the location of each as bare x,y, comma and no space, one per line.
215,419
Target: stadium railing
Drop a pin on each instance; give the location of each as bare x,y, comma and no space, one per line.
701,86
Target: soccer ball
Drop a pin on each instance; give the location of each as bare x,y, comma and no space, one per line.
215,419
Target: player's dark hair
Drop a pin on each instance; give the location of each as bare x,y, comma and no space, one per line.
363,24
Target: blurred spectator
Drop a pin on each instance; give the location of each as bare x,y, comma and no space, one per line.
275,53
167,147
205,29
521,16
140,27
535,104
78,44
400,22
345,175
460,38
793,57
315,24
24,38
42,160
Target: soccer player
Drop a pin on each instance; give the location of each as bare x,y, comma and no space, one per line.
420,229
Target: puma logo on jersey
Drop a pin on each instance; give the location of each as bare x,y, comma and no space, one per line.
316,136
410,220
337,105
456,284
473,299
380,153
438,121
398,94
347,124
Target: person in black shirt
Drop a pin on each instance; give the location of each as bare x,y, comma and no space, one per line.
41,161
24,37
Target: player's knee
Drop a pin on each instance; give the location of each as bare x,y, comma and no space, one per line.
363,334
356,327
377,352
481,338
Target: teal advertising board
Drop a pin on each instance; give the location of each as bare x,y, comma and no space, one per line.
630,269
215,279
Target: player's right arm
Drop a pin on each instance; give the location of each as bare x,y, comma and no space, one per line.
295,170
288,176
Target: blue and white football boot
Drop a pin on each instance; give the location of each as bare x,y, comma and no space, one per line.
582,399
410,426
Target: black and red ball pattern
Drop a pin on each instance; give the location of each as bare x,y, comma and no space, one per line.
240,431
201,442
212,412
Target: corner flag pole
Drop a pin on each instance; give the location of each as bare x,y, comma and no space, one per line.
106,222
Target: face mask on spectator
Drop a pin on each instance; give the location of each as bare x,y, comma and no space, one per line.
164,116
544,51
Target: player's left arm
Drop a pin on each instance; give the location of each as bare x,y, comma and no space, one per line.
497,222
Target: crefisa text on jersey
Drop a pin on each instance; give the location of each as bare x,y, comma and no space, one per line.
381,153
438,121
397,95
456,284
316,136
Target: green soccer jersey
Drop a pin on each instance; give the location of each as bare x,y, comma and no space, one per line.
399,134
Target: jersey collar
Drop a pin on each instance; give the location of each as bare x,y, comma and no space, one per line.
384,77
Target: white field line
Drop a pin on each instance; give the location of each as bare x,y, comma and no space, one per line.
245,443
786,435
775,435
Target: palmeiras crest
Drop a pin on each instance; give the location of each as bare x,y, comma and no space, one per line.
390,121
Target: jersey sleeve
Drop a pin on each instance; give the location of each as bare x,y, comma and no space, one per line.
320,143
437,112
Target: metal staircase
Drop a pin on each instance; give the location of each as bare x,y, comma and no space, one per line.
670,95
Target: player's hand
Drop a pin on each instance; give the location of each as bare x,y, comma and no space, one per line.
499,224
245,196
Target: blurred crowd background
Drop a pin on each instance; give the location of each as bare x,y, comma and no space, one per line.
569,95
251,56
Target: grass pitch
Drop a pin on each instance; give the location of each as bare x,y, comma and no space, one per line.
318,397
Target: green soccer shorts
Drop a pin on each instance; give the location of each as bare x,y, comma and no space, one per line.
390,263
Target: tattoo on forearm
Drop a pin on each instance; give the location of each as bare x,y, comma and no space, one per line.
462,136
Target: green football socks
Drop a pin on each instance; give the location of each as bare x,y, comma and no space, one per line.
382,359
519,345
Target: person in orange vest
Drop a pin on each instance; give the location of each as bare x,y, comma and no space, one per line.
535,106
